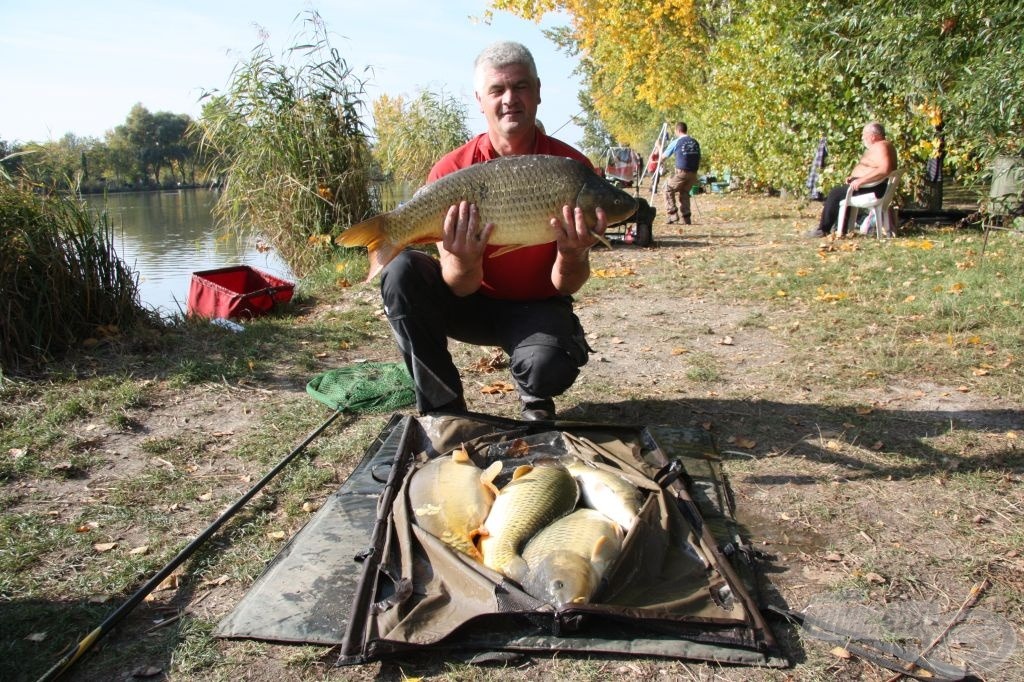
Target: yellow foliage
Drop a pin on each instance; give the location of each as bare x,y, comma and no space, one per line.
637,49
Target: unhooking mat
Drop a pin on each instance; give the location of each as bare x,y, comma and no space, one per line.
361,575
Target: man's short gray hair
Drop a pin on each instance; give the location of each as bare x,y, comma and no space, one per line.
499,55
875,128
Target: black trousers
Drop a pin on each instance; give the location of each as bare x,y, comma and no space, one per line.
543,339
830,211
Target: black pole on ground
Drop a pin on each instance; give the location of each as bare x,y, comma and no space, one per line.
75,652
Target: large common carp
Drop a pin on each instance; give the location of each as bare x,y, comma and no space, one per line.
532,499
519,194
568,559
451,496
609,493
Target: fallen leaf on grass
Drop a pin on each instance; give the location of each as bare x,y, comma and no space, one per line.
727,341
104,546
519,448
87,526
171,582
16,453
679,351
136,551
862,410
612,272
497,387
833,556
615,339
276,535
874,578
215,582
840,652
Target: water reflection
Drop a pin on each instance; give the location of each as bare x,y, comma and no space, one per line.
166,236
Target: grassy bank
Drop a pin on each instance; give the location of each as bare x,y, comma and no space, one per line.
804,358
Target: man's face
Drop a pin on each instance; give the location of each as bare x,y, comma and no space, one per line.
508,98
867,137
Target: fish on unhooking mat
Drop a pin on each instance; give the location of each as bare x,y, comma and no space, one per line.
450,498
568,559
611,494
534,497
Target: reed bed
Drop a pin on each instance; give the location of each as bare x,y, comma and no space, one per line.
61,282
292,149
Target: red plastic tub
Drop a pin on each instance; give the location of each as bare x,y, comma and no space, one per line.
239,291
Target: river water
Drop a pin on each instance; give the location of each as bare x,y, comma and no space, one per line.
166,236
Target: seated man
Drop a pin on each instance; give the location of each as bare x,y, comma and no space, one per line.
878,161
520,301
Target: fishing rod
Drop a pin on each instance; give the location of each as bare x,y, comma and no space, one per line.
75,652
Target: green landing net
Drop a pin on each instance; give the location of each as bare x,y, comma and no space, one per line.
365,387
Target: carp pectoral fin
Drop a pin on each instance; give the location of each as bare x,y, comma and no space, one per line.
373,235
460,455
595,553
521,471
516,569
601,238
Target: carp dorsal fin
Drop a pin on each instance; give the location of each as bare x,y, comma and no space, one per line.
489,474
460,455
521,471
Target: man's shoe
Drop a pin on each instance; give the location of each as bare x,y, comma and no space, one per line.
686,219
538,410
815,234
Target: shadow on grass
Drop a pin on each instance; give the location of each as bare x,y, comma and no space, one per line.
798,430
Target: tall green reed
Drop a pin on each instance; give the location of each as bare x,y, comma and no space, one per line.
60,278
291,147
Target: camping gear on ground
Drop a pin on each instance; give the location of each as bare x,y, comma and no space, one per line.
653,167
1006,197
363,574
621,166
366,387
238,291
638,229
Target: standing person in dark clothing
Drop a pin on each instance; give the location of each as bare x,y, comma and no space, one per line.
878,161
520,300
687,153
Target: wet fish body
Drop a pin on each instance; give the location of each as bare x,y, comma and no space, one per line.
610,494
567,560
534,497
450,498
518,194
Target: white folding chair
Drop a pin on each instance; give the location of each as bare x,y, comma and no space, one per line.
878,206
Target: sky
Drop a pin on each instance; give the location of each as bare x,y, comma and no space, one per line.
80,67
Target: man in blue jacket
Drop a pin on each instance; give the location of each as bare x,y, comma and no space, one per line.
687,152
